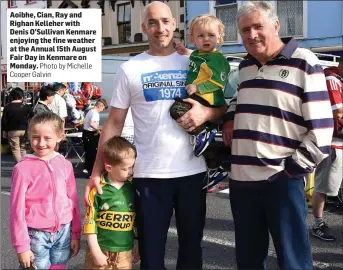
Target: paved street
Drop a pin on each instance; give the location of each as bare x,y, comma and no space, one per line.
218,240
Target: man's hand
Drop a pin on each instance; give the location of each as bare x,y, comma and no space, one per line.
181,49
227,132
100,259
195,117
75,246
26,258
191,89
94,181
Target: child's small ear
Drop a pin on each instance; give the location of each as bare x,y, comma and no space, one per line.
108,167
61,137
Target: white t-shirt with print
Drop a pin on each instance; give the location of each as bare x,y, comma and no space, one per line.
148,84
92,115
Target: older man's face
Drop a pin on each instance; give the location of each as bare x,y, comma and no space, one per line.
258,34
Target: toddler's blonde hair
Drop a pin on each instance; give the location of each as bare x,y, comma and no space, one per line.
206,19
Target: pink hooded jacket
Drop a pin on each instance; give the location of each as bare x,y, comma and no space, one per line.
43,197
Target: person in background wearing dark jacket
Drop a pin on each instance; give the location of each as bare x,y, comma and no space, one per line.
14,123
46,96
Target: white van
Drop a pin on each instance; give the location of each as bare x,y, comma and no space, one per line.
110,65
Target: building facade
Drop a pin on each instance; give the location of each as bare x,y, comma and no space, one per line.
5,5
317,25
121,22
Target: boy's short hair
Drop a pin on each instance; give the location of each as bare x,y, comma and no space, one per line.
45,92
103,101
116,149
206,19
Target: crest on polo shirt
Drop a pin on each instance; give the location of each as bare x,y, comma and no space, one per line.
283,73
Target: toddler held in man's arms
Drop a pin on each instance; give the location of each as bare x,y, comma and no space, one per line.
44,213
109,221
207,74
206,79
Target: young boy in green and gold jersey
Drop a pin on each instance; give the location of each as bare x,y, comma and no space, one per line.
108,223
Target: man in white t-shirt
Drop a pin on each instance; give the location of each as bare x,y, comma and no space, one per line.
58,105
167,175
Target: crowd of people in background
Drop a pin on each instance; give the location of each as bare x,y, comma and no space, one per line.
290,128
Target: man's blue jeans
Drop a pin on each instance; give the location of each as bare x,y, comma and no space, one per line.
277,207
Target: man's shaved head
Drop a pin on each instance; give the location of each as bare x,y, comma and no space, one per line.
159,26
155,6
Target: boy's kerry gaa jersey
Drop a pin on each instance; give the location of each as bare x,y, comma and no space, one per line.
111,216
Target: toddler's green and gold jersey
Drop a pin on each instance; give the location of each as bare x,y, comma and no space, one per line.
209,71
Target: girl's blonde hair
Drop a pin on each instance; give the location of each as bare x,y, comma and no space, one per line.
203,20
48,118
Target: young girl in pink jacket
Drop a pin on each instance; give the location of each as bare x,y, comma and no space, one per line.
44,211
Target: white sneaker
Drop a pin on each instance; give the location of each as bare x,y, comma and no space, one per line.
85,171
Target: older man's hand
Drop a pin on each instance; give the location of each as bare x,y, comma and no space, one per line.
227,133
195,117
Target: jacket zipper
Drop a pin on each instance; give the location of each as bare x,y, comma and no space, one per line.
54,199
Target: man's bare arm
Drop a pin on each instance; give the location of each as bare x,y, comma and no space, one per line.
112,127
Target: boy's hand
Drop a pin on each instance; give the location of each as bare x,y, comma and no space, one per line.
100,259
135,252
181,49
25,258
191,89
75,246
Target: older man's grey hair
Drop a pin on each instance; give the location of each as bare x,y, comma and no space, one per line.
264,7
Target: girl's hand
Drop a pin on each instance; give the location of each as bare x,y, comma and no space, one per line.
100,259
25,258
191,89
75,246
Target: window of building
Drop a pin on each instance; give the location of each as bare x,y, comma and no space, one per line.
12,3
291,17
124,22
226,11
182,3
